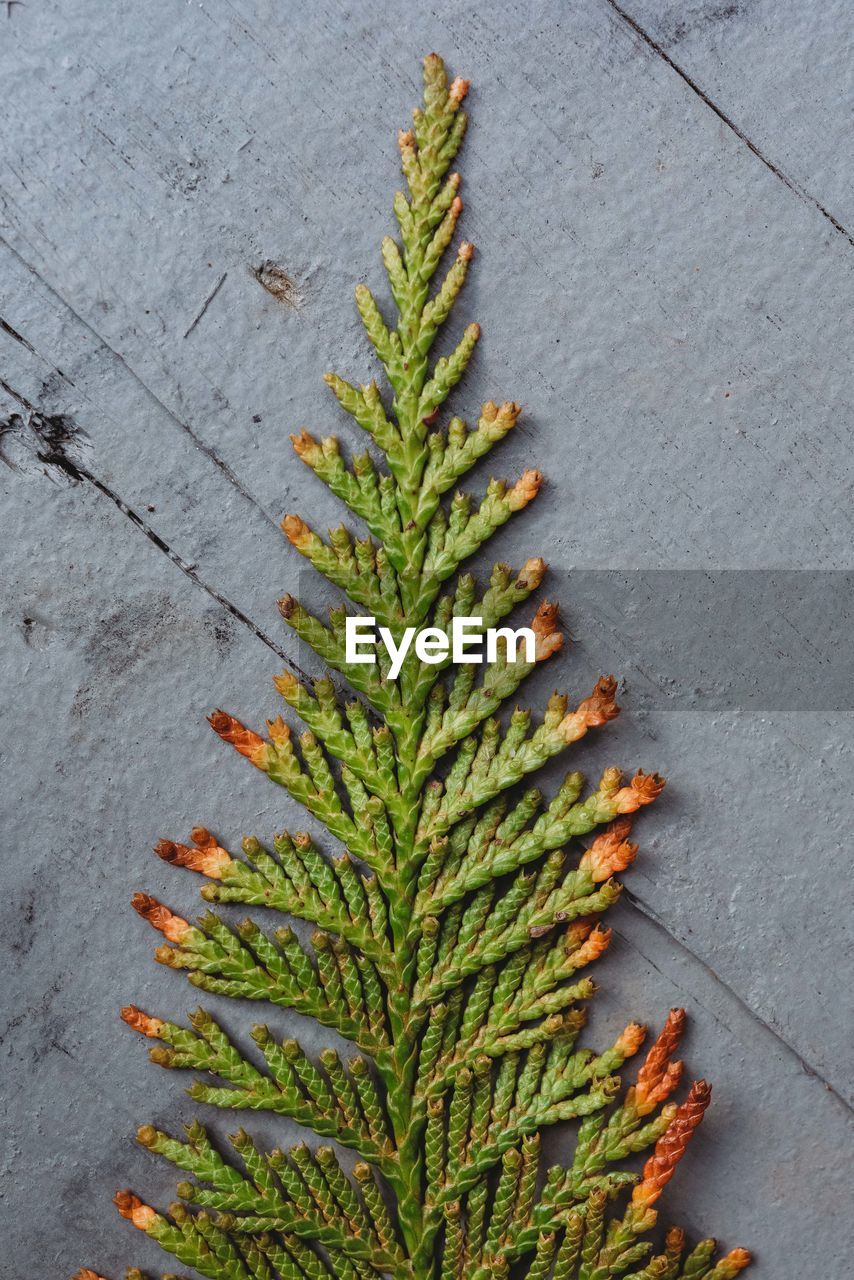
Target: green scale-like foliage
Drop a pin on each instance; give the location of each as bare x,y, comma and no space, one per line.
454,933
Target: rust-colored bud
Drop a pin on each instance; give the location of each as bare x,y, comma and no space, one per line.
132,1208
610,852
246,741
160,917
671,1146
653,1073
674,1241
592,712
296,531
141,1022
643,789
548,640
208,858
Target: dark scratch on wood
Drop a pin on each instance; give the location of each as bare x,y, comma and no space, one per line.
200,444
18,337
807,1067
207,302
76,471
793,186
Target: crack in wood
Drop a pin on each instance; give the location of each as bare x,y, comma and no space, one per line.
76,471
793,186
207,302
807,1067
200,444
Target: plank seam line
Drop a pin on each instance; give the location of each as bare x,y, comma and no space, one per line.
79,473
204,448
647,912
692,84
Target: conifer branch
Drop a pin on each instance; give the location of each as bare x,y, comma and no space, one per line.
454,935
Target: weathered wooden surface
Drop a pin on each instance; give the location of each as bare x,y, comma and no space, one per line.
665,230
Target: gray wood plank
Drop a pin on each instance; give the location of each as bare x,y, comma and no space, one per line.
780,74
669,313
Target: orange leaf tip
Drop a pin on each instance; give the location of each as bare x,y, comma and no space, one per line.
671,1146
524,490
643,789
296,531
132,1208
246,741
610,852
208,858
630,1040
141,1022
159,917
593,712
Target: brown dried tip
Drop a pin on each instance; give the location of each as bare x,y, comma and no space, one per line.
524,490
594,711
305,446
246,741
465,253
671,1146
674,1241
610,852
405,139
548,640
296,531
208,858
458,90
160,917
85,1274
132,1208
653,1072
141,1022
643,789
286,606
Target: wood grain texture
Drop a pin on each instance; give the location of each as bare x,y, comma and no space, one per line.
190,193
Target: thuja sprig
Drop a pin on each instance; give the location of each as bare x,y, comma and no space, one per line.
455,928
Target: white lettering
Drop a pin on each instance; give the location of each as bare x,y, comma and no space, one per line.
397,653
511,639
431,645
356,635
462,640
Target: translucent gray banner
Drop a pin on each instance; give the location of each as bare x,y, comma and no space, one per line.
772,640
